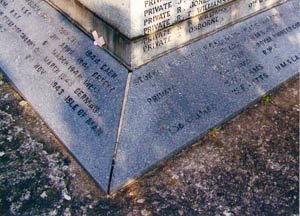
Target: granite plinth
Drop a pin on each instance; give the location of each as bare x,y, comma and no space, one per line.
138,51
119,125
75,87
179,97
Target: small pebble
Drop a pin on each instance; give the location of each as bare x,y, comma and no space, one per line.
175,177
145,212
140,201
227,213
133,193
5,96
1,82
23,103
2,154
53,213
27,195
67,212
44,195
9,138
180,212
67,197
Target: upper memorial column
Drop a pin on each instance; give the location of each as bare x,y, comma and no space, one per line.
135,18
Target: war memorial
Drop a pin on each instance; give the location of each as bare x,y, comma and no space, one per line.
164,73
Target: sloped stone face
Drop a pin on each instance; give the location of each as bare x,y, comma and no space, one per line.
76,88
179,97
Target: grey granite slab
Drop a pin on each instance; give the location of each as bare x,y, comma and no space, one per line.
174,100
138,51
76,88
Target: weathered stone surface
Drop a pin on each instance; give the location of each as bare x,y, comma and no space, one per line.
176,99
139,51
138,18
76,87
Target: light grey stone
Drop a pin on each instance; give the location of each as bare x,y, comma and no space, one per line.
75,87
176,99
138,51
116,13
138,18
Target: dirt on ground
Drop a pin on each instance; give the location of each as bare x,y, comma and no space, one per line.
248,166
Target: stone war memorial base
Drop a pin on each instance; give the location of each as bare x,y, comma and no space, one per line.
119,122
137,50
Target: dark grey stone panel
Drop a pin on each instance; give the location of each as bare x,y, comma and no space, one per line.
174,100
77,88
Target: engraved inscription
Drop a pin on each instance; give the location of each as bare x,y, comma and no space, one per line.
58,70
194,117
162,37
161,95
159,14
238,73
287,62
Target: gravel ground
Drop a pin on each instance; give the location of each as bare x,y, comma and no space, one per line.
249,166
